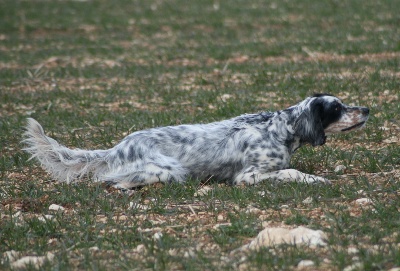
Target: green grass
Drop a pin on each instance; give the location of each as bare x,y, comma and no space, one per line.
93,71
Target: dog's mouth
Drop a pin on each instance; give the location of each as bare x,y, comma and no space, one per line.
358,125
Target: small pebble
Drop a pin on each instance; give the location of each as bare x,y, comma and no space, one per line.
305,263
363,201
340,168
55,207
354,267
308,200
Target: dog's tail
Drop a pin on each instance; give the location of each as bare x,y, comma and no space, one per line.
62,163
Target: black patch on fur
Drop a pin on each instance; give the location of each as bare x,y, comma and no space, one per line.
166,167
131,154
317,95
244,146
273,154
121,155
309,127
331,112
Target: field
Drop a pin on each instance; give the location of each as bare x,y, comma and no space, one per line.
92,72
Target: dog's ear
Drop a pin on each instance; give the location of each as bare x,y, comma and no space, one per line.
308,125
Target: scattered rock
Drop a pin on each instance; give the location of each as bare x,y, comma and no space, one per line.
154,229
354,267
173,252
297,236
393,139
252,210
16,215
52,241
261,193
225,97
190,253
340,169
203,191
35,261
216,226
94,249
363,201
352,250
157,236
141,248
45,218
18,218
308,200
11,255
55,207
305,263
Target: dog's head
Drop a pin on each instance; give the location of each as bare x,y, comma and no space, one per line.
324,114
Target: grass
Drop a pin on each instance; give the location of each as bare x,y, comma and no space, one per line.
93,71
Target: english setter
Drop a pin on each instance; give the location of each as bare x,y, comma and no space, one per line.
245,149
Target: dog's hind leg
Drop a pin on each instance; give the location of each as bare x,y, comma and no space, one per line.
162,169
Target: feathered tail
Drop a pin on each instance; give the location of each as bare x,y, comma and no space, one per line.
62,163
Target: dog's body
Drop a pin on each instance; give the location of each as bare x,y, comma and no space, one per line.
245,149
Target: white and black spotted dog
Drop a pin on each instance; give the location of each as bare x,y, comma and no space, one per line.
246,149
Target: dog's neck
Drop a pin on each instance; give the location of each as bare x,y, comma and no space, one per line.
284,133
292,142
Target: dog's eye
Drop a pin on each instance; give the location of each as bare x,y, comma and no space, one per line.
337,107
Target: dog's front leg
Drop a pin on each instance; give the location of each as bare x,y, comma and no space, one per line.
284,175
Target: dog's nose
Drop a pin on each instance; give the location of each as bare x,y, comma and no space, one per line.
365,110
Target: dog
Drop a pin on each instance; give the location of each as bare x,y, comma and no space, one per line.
245,149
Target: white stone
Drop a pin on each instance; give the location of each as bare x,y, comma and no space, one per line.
261,193
141,248
203,191
363,201
17,214
252,210
340,168
189,253
94,249
157,236
217,226
52,241
352,250
326,260
354,267
45,218
173,252
225,97
305,263
36,261
55,207
308,200
11,255
297,236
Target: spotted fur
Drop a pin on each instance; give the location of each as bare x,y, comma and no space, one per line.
245,149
